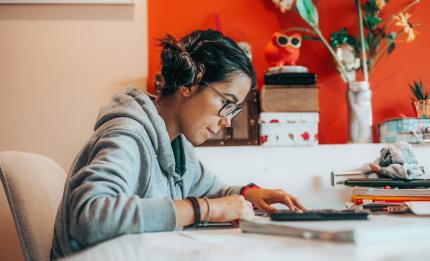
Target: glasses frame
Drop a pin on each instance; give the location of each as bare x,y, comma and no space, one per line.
237,109
289,40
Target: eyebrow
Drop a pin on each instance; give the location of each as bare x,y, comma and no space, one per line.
235,99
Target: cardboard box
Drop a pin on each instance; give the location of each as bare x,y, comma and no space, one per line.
289,98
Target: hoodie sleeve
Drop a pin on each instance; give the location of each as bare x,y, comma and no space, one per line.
102,198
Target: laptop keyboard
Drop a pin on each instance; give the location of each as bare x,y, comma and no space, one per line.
319,214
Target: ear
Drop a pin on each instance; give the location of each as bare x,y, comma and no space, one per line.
187,91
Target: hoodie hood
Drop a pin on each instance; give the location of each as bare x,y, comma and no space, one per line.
138,105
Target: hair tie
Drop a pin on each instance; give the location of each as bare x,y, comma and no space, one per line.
185,54
200,72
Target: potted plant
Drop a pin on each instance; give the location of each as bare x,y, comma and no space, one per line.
421,99
378,36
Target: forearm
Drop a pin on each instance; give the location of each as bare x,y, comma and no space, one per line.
185,213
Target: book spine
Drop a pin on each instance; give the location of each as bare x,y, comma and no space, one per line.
289,82
380,199
388,193
286,86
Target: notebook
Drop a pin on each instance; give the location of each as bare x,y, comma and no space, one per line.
395,183
390,192
419,208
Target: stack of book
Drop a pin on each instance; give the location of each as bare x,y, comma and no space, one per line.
383,194
289,109
369,195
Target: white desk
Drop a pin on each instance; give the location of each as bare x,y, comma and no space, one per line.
304,171
232,244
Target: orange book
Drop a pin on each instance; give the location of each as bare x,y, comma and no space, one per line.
390,198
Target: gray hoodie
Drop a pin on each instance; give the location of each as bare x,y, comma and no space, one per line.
123,181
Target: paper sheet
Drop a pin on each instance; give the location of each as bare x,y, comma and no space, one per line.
419,208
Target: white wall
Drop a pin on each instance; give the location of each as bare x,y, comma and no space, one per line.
58,65
302,171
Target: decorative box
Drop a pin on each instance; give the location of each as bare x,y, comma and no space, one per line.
412,130
288,128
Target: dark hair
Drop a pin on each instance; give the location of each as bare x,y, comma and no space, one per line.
202,56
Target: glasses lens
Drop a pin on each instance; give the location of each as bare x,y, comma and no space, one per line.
295,42
228,109
236,112
282,40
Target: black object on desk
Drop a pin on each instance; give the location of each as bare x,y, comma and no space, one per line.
395,183
321,214
211,225
382,206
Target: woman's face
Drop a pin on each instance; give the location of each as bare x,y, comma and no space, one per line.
198,117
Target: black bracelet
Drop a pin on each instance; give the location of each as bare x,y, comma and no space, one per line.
196,209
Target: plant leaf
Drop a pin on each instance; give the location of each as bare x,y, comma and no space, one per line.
308,12
392,35
370,7
418,90
391,47
373,21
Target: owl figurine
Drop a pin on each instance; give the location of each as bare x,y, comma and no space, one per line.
283,49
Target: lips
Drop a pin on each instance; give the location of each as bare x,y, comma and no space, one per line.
210,131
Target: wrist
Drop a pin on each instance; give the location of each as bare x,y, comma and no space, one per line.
216,210
206,210
247,194
248,188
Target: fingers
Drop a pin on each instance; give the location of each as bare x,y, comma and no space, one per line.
290,201
266,207
287,201
297,203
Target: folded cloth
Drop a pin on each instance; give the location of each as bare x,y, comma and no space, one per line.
397,161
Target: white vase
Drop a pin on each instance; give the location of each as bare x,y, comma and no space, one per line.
360,112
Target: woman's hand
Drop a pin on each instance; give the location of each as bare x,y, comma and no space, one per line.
230,208
263,198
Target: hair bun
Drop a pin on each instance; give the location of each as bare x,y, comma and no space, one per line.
178,68
203,56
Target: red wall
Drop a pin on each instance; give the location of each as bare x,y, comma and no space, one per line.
256,20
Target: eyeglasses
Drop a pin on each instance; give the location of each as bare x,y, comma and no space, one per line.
294,40
230,108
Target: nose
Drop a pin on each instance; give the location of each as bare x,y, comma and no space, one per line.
225,122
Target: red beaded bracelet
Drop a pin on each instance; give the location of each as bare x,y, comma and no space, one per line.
248,187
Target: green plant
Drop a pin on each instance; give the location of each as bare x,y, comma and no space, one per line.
377,36
419,92
383,31
309,13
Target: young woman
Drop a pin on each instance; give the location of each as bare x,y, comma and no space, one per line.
139,173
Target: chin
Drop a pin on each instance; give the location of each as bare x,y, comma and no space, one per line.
198,142
195,140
